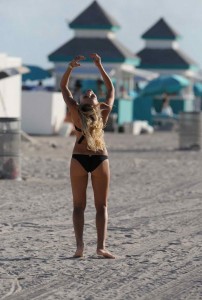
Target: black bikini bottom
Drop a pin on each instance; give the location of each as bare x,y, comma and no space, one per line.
89,162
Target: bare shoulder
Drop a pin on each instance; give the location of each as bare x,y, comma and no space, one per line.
75,114
69,100
72,105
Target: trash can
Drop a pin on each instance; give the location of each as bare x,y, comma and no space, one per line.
190,130
10,138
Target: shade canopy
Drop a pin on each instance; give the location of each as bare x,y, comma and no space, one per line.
165,84
36,73
13,71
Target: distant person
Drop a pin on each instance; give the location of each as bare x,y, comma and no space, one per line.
137,87
89,154
39,87
166,108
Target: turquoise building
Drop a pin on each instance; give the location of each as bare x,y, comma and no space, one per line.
162,54
95,32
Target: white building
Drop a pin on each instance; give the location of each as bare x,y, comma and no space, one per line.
10,88
43,112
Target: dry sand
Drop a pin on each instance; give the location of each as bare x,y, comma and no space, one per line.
154,224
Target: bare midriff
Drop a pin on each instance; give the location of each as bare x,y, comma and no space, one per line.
82,148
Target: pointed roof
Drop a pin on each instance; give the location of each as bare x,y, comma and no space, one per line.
94,17
165,59
161,30
111,50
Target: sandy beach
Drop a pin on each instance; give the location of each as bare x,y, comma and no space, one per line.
154,224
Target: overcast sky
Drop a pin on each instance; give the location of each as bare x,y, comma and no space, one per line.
32,29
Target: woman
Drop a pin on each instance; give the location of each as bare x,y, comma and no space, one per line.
166,108
89,154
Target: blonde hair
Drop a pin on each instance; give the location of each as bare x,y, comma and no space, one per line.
92,126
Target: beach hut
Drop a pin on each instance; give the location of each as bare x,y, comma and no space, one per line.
94,31
163,55
10,114
43,109
43,112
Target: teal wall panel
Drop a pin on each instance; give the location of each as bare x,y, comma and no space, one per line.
124,109
142,109
125,114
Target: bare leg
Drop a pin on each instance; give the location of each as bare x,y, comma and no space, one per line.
79,181
101,224
100,181
78,220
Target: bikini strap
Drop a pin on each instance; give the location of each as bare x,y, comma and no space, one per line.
77,129
81,139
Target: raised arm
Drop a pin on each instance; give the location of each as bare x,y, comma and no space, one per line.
67,95
108,83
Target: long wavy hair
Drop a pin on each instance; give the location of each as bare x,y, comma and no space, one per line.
92,126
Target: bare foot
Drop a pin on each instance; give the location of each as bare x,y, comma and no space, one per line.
105,253
79,252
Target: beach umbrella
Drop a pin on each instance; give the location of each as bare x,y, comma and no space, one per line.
36,73
165,85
